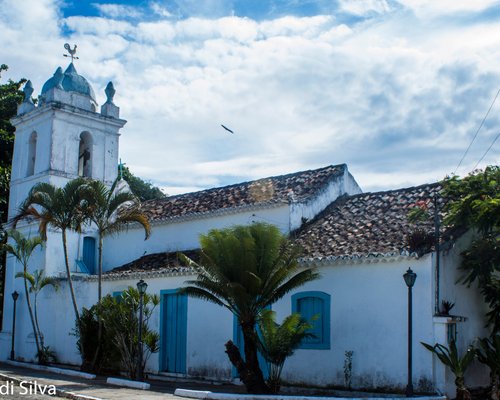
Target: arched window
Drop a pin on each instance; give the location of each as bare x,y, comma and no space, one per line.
85,155
30,170
314,307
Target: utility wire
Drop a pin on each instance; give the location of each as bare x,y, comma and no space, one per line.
486,152
478,129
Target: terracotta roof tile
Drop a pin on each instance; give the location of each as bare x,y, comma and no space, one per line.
300,185
156,262
365,223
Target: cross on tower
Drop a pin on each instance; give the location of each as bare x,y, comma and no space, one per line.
120,167
71,52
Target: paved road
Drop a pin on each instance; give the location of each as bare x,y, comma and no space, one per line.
12,390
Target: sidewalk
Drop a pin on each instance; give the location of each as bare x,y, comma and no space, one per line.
85,389
73,387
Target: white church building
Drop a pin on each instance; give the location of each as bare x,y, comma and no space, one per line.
357,240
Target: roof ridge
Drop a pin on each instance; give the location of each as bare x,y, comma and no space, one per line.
405,189
344,198
343,166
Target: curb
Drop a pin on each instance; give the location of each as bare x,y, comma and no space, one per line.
204,395
60,371
128,383
59,392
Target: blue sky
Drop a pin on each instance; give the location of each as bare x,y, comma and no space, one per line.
255,9
394,88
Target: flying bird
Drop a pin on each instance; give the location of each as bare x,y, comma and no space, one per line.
226,128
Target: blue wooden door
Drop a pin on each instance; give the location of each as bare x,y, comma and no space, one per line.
174,330
240,343
88,256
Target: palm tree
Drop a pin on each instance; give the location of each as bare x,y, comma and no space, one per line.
22,250
111,210
60,208
457,364
38,281
246,269
279,341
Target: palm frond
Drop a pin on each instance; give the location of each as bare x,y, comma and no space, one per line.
202,294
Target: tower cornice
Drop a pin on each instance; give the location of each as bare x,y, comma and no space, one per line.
56,106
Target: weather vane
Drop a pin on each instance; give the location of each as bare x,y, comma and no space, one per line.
71,52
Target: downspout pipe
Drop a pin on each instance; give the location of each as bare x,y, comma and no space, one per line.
437,225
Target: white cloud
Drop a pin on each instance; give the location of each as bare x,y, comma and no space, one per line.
429,8
160,10
397,98
118,10
364,7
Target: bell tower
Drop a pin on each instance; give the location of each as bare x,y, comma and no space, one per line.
59,138
64,136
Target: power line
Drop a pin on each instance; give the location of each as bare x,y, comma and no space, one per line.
486,152
478,129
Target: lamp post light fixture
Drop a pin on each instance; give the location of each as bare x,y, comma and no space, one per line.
15,296
409,278
141,287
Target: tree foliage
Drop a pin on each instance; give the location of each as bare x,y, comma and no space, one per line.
488,353
120,316
246,269
142,189
474,202
10,97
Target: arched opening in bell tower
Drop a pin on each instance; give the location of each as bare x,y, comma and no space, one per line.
85,155
30,168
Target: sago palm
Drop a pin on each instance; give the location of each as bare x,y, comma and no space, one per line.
59,208
22,249
246,269
279,341
457,364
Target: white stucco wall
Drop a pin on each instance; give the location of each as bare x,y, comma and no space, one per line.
345,184
369,317
56,318
182,235
58,128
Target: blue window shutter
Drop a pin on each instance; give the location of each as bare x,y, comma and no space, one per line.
311,309
88,256
314,307
173,322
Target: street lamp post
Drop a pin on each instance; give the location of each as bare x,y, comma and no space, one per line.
409,278
141,287
15,296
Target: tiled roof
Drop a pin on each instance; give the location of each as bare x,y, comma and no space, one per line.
300,185
158,262
367,223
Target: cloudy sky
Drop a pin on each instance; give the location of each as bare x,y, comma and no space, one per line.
396,89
